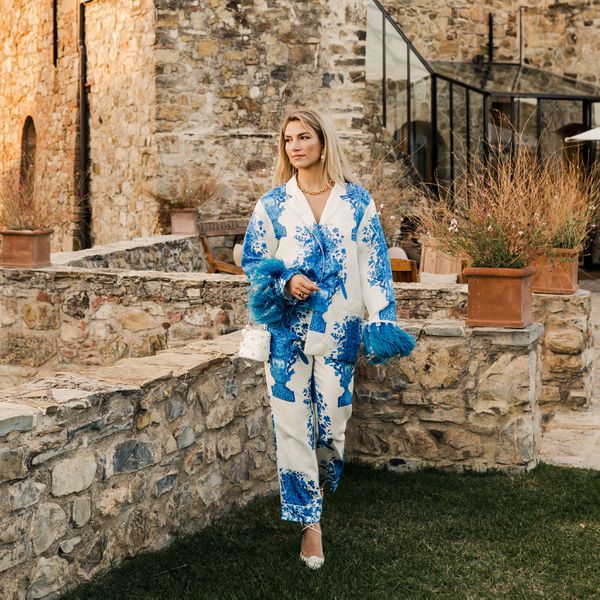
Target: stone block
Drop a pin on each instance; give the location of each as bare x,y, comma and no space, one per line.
24,494
136,320
206,48
48,524
48,576
511,337
14,556
219,416
185,438
41,315
12,463
565,341
81,511
446,329
15,417
165,484
517,443
228,446
254,425
31,350
131,456
73,475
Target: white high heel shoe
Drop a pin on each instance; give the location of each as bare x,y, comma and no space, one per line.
313,562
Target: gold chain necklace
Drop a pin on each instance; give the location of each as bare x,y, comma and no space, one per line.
328,187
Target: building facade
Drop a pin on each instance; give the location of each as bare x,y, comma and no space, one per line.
168,83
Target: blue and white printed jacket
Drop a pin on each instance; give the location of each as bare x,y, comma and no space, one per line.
345,254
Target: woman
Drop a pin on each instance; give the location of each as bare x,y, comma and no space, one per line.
315,254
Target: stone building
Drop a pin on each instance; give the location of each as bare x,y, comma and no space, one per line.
165,83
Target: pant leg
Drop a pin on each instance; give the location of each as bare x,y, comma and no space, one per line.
333,385
294,431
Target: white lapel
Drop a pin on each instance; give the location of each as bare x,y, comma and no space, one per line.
300,206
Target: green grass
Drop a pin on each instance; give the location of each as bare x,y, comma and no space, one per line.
419,535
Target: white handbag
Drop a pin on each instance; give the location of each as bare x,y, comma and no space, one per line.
256,343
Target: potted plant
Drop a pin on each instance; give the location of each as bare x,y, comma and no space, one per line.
183,195
571,214
494,218
25,224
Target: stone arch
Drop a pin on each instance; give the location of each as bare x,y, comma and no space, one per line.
28,150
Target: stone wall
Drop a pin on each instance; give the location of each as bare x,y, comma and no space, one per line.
561,37
99,466
226,73
63,317
33,87
122,100
466,399
171,253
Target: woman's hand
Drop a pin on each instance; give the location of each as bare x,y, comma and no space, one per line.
301,287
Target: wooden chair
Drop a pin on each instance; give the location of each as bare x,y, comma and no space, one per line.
435,261
404,270
211,229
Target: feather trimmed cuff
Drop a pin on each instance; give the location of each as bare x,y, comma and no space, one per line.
384,340
268,301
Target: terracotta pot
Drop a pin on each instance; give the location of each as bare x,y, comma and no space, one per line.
557,274
25,248
499,297
184,221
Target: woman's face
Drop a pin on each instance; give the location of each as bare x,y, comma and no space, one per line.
302,145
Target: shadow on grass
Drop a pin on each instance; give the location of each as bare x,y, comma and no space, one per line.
420,535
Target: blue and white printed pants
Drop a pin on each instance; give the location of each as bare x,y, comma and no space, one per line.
309,427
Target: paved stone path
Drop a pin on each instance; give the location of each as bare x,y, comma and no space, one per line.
572,438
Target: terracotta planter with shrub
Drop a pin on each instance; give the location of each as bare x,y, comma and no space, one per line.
25,248
499,297
184,221
557,274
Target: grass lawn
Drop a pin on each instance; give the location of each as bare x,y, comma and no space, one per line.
419,535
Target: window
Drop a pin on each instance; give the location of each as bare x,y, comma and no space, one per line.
28,154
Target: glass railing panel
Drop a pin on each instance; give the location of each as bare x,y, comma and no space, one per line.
443,132
475,134
396,55
374,61
420,138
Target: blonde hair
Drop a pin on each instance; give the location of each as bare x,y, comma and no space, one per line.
335,165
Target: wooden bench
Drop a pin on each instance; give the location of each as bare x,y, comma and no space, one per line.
222,228
404,270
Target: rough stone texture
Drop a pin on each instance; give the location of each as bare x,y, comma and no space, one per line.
73,475
99,489
459,402
109,314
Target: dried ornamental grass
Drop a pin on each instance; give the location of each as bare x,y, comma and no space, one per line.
193,187
497,213
22,209
572,207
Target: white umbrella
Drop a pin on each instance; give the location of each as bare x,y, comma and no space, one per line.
592,135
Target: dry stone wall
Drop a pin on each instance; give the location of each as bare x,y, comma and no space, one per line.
466,399
120,39
64,317
33,87
99,466
226,73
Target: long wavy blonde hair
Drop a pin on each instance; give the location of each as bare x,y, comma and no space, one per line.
335,165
